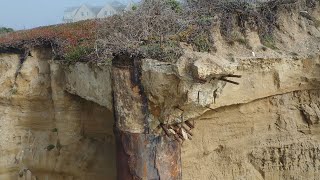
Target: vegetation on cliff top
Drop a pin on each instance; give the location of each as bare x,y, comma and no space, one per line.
65,39
156,25
155,29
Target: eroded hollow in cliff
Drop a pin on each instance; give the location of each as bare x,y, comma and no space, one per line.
46,131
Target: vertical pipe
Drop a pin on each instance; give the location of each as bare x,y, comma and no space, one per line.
140,154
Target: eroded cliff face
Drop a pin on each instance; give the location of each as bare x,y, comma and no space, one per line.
56,120
265,128
275,137
46,132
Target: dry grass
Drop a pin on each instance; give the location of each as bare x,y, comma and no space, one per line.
155,29
156,23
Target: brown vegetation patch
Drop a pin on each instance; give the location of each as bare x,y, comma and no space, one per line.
74,40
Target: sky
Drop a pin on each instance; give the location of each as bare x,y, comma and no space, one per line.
26,14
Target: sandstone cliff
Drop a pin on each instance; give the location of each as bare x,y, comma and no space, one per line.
46,132
56,120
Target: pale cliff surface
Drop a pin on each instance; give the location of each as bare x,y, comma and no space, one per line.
47,133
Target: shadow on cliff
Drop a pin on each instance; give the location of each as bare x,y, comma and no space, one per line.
57,135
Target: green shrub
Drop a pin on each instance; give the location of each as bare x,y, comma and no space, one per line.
269,42
205,20
168,51
134,7
77,53
241,39
202,43
175,5
14,90
317,23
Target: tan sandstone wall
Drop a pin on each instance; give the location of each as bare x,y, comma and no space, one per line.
47,133
272,138
265,128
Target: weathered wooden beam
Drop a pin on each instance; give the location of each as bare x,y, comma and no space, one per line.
140,153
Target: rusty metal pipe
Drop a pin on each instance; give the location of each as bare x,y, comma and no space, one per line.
166,131
229,81
187,130
141,154
233,75
188,123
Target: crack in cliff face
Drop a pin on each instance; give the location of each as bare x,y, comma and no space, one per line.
261,78
277,80
263,136
266,97
23,58
256,167
306,111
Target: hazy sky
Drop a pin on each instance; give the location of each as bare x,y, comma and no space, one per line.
25,14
